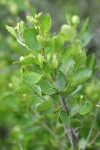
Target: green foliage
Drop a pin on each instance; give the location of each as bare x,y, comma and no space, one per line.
52,65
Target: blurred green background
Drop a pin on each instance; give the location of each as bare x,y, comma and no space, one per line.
17,131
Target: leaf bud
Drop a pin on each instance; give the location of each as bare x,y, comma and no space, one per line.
75,20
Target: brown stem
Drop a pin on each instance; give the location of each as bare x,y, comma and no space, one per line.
68,129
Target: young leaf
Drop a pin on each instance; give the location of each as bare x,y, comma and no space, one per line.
45,23
64,117
26,60
69,32
54,61
29,36
12,31
81,75
32,77
85,107
44,106
79,59
59,42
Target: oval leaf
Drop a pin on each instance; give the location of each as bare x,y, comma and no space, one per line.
44,106
64,117
46,87
32,77
45,23
29,36
85,107
81,76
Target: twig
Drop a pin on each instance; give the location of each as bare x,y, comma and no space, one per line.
92,127
68,129
93,141
48,129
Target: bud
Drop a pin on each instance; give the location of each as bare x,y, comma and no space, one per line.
81,97
48,56
75,20
10,85
39,15
21,58
54,61
30,19
40,39
13,8
68,31
40,60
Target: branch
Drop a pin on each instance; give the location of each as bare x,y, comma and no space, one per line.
48,129
68,129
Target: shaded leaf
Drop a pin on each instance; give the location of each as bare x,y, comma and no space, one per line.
74,110
44,106
64,117
91,61
46,87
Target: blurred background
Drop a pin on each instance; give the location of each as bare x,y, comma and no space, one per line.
14,114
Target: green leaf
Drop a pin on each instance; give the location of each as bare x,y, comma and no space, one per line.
61,81
32,77
67,52
64,117
54,61
67,66
45,23
44,106
80,59
36,89
12,31
59,42
46,87
85,107
23,89
69,32
91,61
74,110
80,76
26,60
86,33
29,36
